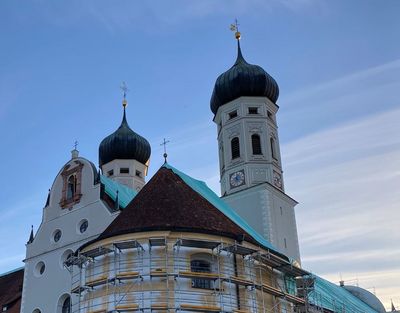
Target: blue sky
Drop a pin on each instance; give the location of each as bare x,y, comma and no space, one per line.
338,67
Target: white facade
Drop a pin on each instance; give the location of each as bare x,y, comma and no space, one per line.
251,178
66,225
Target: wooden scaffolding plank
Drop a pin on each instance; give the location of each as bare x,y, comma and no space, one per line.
240,281
127,275
202,275
272,290
96,282
127,307
199,308
158,272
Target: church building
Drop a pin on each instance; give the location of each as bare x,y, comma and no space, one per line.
111,242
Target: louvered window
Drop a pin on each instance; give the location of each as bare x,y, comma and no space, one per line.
235,148
273,148
256,144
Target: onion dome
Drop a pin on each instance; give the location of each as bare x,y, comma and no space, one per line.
243,79
124,143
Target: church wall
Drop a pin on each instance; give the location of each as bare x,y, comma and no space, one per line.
46,250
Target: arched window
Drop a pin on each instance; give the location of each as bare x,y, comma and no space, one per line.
201,263
256,144
66,307
71,187
235,148
273,148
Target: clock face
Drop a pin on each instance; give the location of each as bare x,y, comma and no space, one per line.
237,179
277,180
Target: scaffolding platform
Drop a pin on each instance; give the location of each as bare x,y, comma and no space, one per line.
294,299
202,275
239,281
272,290
132,307
78,289
160,307
127,275
199,308
158,272
129,244
157,242
93,253
97,282
238,249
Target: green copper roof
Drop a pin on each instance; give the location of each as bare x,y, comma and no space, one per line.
336,298
125,194
201,188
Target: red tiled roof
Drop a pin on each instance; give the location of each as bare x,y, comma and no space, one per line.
11,291
167,203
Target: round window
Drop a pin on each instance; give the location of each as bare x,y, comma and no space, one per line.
39,269
65,260
83,225
57,235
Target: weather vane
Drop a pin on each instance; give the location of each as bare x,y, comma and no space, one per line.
235,28
164,143
125,90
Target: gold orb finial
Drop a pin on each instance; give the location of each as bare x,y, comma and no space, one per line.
235,28
124,89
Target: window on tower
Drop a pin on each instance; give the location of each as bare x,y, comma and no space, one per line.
71,188
253,110
233,114
235,148
273,148
124,170
256,144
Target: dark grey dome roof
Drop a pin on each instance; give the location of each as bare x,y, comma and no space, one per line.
124,143
367,297
243,79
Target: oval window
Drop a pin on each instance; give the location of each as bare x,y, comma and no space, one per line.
39,269
57,235
83,225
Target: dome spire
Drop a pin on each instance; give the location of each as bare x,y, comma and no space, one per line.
242,80
125,90
235,28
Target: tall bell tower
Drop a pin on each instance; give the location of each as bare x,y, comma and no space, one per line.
244,104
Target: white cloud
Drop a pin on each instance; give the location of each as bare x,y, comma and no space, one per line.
347,181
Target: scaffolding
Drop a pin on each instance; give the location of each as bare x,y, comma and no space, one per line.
159,274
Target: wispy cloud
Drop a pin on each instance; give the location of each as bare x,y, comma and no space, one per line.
346,180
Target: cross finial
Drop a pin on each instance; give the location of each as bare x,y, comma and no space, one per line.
235,28
125,90
76,144
164,143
